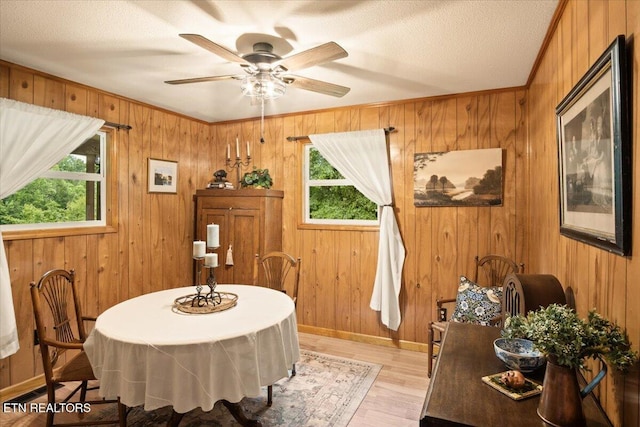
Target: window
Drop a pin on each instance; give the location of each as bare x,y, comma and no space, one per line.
73,193
330,198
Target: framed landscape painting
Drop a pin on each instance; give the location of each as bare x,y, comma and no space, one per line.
458,178
594,156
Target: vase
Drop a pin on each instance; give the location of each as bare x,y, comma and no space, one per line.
561,399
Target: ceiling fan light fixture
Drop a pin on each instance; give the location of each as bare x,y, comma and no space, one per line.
263,85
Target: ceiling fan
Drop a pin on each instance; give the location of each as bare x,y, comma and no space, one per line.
266,75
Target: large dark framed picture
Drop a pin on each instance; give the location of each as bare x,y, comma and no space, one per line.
595,157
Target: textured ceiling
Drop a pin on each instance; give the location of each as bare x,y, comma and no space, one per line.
397,49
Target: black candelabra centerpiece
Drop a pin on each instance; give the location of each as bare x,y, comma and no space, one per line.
203,302
210,261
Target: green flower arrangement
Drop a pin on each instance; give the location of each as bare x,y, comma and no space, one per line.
559,333
258,178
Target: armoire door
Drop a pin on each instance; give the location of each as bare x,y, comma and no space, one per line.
220,217
244,237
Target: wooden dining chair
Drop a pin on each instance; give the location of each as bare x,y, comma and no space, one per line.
490,272
276,267
61,333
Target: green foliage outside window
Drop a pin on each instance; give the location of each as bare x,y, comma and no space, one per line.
320,168
50,200
340,202
45,201
336,202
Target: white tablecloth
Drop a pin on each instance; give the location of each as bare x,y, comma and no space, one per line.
147,353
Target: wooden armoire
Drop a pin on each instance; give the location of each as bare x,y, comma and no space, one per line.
250,221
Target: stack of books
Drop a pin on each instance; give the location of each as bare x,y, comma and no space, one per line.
225,185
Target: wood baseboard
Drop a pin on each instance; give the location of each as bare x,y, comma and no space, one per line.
367,339
19,389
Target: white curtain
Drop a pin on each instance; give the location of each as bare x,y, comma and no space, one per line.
32,140
362,158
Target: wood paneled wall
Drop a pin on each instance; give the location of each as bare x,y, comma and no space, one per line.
338,265
151,249
600,280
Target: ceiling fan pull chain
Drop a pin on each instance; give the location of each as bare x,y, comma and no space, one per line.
262,123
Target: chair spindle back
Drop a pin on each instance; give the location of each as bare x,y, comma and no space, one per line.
494,269
57,289
276,267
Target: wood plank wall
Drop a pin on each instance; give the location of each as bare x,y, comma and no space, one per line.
338,265
151,249
600,280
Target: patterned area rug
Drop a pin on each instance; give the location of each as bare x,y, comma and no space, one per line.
326,391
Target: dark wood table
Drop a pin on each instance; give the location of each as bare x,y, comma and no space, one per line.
457,396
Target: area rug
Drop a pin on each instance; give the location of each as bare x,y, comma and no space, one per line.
326,391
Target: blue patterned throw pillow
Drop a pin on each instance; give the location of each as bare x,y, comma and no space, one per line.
477,304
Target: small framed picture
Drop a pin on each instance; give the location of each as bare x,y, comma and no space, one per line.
163,176
595,155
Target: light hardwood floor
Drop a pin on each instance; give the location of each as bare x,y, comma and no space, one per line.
396,397
394,400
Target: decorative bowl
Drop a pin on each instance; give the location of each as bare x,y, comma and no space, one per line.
518,354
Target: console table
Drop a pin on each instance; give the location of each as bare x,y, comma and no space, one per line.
457,396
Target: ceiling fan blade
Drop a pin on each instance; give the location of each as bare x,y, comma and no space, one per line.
317,86
314,56
212,47
203,79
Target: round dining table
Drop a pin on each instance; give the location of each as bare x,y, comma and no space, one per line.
147,352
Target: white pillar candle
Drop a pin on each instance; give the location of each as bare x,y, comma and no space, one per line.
213,235
248,150
199,249
237,149
211,260
228,152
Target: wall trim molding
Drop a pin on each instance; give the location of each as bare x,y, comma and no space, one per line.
367,339
19,389
553,25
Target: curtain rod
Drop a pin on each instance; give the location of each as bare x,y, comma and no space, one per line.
118,126
387,131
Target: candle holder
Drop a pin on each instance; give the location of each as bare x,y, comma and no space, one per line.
213,297
198,300
212,301
238,164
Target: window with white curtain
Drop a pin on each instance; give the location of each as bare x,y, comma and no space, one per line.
330,198
73,193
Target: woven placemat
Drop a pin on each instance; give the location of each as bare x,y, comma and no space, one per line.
184,304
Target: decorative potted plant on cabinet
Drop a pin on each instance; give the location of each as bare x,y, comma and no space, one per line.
567,340
258,178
